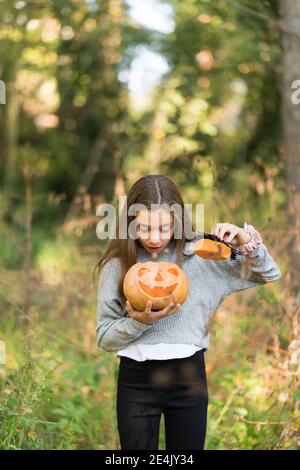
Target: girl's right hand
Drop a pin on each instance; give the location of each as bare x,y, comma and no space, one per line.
148,316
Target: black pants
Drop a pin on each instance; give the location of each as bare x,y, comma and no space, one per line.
175,387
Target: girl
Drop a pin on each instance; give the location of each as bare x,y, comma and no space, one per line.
162,367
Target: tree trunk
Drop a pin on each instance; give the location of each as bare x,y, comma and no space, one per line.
12,121
290,21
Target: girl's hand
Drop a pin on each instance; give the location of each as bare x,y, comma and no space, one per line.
232,234
148,316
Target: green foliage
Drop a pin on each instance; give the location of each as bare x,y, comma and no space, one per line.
70,138
54,393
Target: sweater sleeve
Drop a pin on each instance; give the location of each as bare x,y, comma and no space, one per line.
114,329
258,267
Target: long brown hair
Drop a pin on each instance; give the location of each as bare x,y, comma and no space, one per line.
150,189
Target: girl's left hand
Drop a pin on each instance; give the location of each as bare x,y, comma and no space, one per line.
232,234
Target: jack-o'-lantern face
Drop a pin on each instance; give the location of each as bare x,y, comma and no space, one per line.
161,282
158,281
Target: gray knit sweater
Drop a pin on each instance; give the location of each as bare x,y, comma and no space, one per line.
209,283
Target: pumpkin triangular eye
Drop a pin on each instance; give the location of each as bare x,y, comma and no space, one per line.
142,271
173,271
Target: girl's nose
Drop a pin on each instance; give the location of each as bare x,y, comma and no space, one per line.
155,238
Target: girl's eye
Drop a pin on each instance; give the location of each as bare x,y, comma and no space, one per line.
146,229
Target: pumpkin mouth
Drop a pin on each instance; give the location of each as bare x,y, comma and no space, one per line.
158,291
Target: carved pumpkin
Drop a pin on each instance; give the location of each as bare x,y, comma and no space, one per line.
210,249
161,282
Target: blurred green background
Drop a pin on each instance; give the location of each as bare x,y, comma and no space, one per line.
99,93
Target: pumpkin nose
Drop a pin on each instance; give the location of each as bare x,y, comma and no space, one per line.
158,277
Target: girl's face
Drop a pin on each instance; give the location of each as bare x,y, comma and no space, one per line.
155,228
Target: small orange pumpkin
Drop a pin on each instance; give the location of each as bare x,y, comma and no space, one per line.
161,282
210,249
